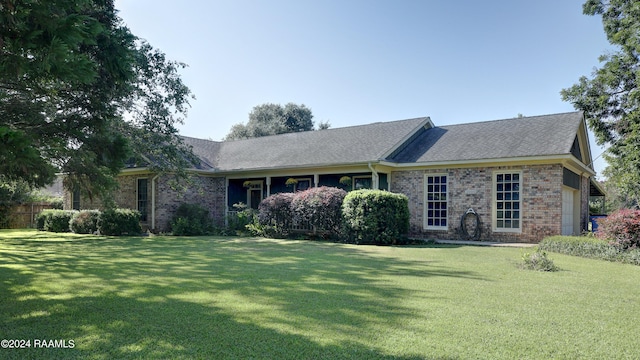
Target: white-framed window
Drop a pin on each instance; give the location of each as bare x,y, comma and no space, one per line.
302,184
436,207
142,198
362,182
507,201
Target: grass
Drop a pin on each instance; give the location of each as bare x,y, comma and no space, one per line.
204,297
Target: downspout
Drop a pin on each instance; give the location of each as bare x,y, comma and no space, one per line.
153,201
375,177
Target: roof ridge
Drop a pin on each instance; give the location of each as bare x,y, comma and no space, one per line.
330,129
510,119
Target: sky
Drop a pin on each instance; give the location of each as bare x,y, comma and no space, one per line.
357,62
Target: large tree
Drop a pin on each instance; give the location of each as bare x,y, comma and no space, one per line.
80,94
272,119
610,99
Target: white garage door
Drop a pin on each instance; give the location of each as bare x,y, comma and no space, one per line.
567,211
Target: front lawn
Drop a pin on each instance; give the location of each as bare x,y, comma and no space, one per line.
216,298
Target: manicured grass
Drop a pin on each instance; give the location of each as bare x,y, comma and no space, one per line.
212,298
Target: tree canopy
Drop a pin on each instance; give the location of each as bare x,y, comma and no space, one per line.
272,119
610,99
80,94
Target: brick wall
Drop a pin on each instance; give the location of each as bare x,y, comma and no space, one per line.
208,192
541,196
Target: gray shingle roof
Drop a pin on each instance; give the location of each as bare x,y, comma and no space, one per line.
499,139
348,145
520,137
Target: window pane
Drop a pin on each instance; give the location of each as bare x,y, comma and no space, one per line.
507,201
436,191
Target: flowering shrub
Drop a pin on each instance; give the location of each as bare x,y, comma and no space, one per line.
621,229
275,216
321,207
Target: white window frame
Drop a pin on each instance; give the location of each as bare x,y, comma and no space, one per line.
495,201
362,177
298,180
146,214
425,223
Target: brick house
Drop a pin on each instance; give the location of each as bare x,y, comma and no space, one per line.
526,178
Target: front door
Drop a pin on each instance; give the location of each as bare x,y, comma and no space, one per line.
254,194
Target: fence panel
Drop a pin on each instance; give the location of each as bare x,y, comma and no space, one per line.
24,215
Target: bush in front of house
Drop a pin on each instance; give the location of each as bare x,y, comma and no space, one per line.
590,247
320,207
191,220
118,222
621,229
275,216
85,222
375,217
54,220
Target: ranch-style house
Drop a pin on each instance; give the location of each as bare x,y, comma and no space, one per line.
526,178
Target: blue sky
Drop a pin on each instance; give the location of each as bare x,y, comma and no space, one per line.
357,62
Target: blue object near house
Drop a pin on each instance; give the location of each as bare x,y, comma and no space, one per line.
593,219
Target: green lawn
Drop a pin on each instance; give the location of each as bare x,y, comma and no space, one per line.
213,298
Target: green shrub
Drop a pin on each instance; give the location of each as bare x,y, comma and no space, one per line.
243,221
375,217
191,220
119,222
538,260
621,229
589,247
275,216
85,222
54,220
321,208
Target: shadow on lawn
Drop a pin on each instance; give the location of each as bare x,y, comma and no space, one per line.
203,298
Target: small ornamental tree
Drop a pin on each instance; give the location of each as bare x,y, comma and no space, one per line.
621,229
321,208
375,217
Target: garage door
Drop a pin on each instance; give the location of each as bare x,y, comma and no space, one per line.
567,211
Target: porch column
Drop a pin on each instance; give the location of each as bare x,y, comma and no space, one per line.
268,186
316,180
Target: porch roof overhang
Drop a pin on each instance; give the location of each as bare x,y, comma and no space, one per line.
595,189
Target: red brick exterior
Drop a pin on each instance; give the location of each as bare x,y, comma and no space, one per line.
541,201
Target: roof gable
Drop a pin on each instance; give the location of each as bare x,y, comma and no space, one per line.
510,138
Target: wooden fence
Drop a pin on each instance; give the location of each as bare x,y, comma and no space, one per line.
24,215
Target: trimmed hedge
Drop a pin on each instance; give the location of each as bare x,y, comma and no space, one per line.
54,220
589,247
191,220
85,222
119,222
321,208
375,217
